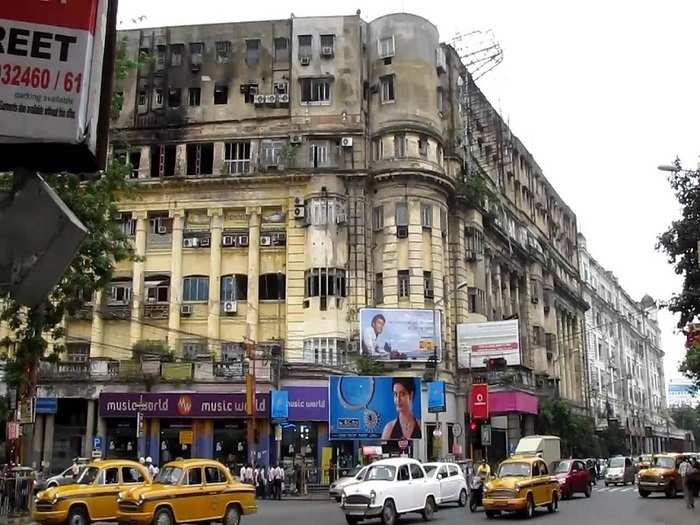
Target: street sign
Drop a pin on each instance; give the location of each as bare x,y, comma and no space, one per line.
486,435
46,405
97,443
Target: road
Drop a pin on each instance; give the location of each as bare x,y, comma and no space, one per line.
614,506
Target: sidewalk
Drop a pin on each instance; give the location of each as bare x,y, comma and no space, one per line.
310,497
24,520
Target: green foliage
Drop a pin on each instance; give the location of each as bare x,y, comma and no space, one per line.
288,154
690,366
612,440
154,349
474,190
366,366
687,418
577,433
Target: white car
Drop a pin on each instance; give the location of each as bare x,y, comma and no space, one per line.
453,485
355,476
391,487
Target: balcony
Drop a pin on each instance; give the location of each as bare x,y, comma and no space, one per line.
65,370
176,371
156,311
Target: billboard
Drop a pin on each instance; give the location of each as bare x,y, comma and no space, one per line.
400,334
437,401
374,407
279,404
478,342
479,401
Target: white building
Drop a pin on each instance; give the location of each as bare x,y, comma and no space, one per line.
680,393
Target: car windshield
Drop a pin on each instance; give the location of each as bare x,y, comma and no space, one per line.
429,469
381,472
563,466
168,475
354,472
514,469
617,462
662,462
88,476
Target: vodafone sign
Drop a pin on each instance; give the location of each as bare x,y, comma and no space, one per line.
479,402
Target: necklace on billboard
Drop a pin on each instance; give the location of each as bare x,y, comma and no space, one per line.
356,393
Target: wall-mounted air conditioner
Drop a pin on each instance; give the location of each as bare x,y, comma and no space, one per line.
186,309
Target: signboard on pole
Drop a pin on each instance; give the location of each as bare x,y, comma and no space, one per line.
400,334
437,401
486,435
479,401
479,342
279,405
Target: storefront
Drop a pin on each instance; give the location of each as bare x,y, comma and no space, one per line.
184,425
513,414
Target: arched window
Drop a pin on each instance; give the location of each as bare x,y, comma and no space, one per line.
272,286
234,287
195,288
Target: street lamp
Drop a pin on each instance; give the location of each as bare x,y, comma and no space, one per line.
437,303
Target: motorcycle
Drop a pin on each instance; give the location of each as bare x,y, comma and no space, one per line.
476,493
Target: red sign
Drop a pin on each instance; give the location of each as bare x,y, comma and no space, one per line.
479,401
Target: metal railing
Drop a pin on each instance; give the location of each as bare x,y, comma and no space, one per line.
16,489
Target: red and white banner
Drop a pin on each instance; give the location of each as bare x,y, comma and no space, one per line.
51,54
479,342
479,401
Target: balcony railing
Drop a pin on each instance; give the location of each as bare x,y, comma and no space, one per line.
156,311
74,370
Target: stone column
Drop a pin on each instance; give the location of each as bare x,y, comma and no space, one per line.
38,440
252,314
102,432
499,292
97,330
89,428
571,379
137,289
213,325
48,439
508,311
561,354
489,288
178,217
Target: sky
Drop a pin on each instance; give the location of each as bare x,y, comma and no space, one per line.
600,92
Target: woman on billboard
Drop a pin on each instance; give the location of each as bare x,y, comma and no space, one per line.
406,425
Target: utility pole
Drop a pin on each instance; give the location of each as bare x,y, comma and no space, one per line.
250,400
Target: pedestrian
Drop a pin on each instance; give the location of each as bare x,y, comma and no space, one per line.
249,475
152,469
271,482
685,469
75,469
241,474
279,477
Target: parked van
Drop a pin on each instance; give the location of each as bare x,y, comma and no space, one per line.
546,447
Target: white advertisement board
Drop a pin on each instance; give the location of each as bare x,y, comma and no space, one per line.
400,334
51,70
478,342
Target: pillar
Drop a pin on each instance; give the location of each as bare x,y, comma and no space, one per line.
213,324
252,314
153,445
97,330
89,428
489,289
102,432
137,288
38,440
48,440
571,358
508,296
561,354
499,292
178,217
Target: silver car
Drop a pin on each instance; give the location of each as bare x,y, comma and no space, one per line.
355,476
66,477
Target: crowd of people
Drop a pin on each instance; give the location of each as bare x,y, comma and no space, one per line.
269,481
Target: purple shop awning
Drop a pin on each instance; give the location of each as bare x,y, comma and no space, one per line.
513,401
180,404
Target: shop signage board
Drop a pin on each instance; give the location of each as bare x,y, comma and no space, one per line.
186,437
479,401
279,404
437,401
479,342
400,334
308,403
46,405
180,405
368,407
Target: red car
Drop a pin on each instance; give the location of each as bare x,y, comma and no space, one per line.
573,476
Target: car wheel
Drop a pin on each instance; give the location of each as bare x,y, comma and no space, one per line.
607,484
554,504
644,493
163,517
429,509
77,516
232,516
492,513
587,491
52,485
530,507
352,520
462,498
671,491
389,513
472,504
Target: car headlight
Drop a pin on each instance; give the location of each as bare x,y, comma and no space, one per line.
517,487
54,500
342,498
372,497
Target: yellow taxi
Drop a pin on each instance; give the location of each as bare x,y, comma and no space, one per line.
94,495
521,483
185,491
661,476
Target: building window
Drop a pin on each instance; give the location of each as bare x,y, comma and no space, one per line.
195,288
399,145
473,242
428,289
252,52
315,90
324,283
220,94
426,215
404,284
378,218
270,152
142,98
161,53
534,291
157,98
401,214
477,300
318,154
200,159
325,211
388,95
305,46
325,351
423,146
386,47
281,49
157,287
77,352
378,147
194,96
176,51
249,91
119,294
272,286
192,350
440,100
237,157
223,52
174,97
378,288
234,287
163,160
134,163
327,45
196,52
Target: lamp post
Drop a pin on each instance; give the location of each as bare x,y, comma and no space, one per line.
437,303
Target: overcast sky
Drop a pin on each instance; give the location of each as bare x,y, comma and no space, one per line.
600,92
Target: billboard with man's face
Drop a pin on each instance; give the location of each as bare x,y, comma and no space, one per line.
374,407
400,334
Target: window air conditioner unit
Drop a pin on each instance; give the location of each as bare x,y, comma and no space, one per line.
162,229
327,51
189,242
295,139
242,240
186,309
270,100
230,307
283,98
299,212
346,142
402,232
259,100
281,87
265,240
305,61
298,201
279,237
340,217
205,242
227,240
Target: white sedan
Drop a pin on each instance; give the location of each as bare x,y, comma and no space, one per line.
453,485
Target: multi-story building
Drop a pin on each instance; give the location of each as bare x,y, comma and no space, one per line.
290,172
681,393
625,360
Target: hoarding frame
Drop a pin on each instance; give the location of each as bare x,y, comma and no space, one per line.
495,339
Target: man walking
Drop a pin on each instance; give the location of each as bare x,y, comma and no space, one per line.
685,469
279,476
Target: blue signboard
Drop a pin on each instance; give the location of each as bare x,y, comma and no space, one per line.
372,407
436,397
46,405
280,404
97,443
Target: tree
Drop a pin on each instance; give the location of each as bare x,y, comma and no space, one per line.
687,418
680,243
577,433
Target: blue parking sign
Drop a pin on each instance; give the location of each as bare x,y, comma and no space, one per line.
97,443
